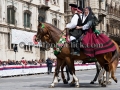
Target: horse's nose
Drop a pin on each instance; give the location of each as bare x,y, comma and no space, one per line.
35,39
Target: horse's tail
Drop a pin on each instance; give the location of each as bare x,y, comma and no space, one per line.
116,54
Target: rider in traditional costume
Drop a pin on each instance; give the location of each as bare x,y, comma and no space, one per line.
95,43
73,32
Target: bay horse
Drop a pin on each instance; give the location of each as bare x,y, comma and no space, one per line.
51,34
65,80
98,69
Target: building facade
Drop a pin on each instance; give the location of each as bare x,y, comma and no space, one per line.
19,19
109,10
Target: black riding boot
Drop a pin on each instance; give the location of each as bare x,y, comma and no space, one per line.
75,48
78,46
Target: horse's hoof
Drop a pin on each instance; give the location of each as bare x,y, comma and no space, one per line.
100,81
77,86
109,82
92,82
103,85
65,81
72,84
68,79
59,80
51,86
116,80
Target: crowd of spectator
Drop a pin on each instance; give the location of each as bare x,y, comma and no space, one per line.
24,62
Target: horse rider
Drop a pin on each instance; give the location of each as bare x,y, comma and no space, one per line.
96,42
87,20
73,32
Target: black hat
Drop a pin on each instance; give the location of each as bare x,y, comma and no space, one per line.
80,8
73,5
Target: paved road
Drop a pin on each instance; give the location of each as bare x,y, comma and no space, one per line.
42,82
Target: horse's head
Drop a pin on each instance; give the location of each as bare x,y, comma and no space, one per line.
42,33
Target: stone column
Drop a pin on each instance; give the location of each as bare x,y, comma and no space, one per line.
105,23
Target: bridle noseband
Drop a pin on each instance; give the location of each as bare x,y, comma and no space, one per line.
42,31
48,32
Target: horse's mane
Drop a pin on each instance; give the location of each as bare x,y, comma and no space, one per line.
54,27
54,31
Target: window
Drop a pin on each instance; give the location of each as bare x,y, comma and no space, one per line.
108,9
27,17
40,1
55,22
118,13
111,10
11,14
42,14
114,11
27,48
12,46
103,21
9,39
65,6
41,19
56,2
107,26
81,3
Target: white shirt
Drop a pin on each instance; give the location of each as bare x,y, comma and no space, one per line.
88,24
84,18
73,22
81,16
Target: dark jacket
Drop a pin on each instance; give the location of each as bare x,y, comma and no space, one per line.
91,17
74,32
49,62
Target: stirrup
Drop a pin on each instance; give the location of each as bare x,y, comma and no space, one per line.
76,53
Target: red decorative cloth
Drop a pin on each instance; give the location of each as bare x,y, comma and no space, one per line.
94,45
35,42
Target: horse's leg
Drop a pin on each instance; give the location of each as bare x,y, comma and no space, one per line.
98,67
70,65
113,69
62,73
107,77
73,81
67,72
106,68
55,79
107,59
100,76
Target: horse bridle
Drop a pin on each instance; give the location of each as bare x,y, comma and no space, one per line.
44,34
50,35
39,36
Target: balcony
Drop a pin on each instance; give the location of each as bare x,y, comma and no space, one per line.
44,4
102,12
111,16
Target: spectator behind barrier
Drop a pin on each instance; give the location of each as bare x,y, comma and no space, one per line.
24,62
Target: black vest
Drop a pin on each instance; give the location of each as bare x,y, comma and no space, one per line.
89,17
75,32
85,22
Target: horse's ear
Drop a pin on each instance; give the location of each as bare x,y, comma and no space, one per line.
40,24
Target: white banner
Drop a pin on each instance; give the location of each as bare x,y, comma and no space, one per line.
19,36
